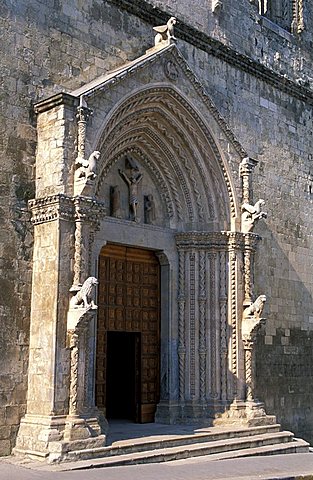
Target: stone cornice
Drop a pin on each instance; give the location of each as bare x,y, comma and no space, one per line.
51,102
183,31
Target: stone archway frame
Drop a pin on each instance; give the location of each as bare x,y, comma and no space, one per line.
66,223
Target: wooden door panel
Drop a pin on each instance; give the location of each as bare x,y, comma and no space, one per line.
129,298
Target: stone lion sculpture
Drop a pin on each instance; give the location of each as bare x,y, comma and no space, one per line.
252,319
256,309
83,297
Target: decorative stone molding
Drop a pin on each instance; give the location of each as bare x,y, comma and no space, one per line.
181,324
81,312
171,104
83,114
50,208
246,168
250,244
297,25
88,214
203,370
204,42
251,323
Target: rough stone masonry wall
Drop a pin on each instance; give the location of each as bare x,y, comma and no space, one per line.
54,46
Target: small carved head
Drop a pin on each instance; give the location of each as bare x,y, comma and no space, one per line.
172,21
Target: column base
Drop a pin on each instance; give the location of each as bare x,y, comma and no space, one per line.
248,414
58,438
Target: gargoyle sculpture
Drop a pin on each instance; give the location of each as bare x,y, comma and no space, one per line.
251,214
88,168
83,298
165,33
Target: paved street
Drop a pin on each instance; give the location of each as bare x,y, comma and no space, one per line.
299,466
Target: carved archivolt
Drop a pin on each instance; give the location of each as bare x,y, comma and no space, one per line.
161,117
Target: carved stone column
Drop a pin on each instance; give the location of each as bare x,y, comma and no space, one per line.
245,170
181,324
202,324
235,247
88,213
250,243
83,114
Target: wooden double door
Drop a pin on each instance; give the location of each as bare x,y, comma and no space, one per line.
128,333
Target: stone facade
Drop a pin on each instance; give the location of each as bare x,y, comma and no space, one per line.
259,76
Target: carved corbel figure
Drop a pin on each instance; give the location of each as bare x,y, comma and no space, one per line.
251,214
87,168
83,298
217,6
165,33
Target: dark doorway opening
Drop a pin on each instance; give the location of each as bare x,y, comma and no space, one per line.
123,376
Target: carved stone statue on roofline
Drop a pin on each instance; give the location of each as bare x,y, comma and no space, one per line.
165,33
251,214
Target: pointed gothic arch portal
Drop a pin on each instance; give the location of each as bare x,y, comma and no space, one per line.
158,152
185,173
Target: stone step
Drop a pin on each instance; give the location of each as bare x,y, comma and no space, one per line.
175,452
295,446
165,441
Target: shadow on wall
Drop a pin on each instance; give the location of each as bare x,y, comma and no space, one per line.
284,353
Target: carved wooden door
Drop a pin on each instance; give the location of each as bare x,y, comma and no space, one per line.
129,298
